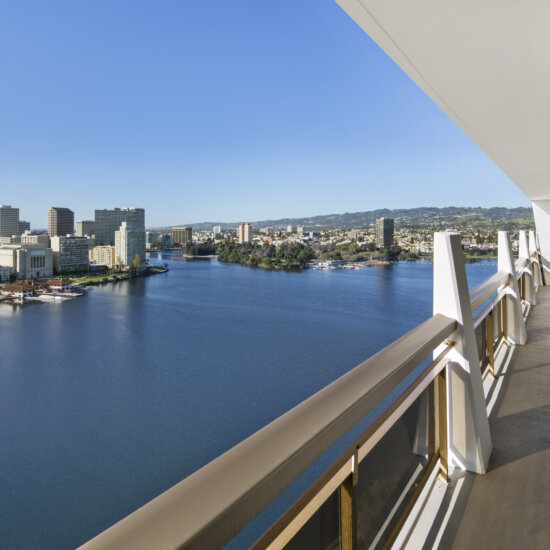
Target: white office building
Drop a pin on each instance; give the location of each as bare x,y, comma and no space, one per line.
27,260
30,238
129,243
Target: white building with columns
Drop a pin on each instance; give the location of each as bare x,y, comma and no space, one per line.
27,260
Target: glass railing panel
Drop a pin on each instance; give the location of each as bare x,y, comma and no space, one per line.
322,531
390,473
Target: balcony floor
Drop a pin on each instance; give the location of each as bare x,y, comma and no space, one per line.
509,507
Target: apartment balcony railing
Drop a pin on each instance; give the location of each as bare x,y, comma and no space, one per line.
431,382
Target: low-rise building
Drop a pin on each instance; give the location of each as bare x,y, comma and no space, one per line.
10,240
33,238
70,254
103,255
27,260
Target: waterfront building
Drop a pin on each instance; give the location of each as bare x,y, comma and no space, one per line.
244,233
182,235
70,254
85,227
384,232
166,240
60,221
103,255
36,238
27,260
23,226
9,221
107,222
129,243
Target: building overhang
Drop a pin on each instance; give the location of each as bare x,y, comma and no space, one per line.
486,64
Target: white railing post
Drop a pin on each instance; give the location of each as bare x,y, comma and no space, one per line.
541,211
534,258
530,295
469,437
515,323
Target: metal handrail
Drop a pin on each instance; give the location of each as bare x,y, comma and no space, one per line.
208,508
487,288
520,264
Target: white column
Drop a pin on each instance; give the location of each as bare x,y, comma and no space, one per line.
516,326
534,258
541,211
469,438
530,294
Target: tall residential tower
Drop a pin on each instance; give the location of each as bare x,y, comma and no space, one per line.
384,232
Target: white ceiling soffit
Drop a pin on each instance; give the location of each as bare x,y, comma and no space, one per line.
486,63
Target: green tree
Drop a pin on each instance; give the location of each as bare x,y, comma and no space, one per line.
135,266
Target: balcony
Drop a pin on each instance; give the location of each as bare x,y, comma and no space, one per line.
459,407
456,449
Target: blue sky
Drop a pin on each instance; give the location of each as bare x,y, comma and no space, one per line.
219,110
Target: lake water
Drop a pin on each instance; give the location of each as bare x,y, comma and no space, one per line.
109,399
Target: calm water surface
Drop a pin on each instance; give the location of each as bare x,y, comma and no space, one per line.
109,399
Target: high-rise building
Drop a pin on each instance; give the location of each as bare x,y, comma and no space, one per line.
9,221
85,227
290,229
384,232
60,221
245,233
109,221
217,229
24,226
182,235
129,243
300,230
70,254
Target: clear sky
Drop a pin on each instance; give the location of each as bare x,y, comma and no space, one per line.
219,110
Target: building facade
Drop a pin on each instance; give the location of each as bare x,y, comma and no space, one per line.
24,226
28,260
384,232
107,222
30,238
244,233
60,221
9,221
182,235
129,243
85,227
5,273
103,255
70,254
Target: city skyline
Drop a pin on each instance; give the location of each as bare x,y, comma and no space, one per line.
266,110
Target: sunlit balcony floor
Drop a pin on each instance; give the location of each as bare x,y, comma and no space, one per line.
509,507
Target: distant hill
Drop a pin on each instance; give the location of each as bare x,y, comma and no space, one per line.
425,216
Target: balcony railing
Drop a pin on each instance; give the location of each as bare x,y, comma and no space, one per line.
436,417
